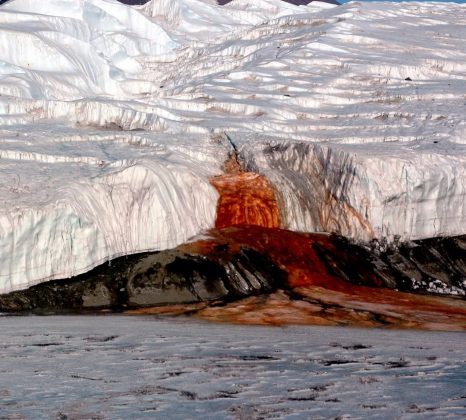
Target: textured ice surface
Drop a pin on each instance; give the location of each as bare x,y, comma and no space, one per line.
123,367
72,200
109,116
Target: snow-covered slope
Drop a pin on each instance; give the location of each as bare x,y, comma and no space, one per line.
111,122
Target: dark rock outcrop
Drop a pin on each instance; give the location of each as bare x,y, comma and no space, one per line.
436,265
295,2
154,279
237,262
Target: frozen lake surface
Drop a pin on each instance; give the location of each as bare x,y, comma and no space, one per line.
81,367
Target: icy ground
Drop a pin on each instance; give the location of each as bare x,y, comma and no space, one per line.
136,367
112,121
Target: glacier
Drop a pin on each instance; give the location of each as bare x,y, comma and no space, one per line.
115,118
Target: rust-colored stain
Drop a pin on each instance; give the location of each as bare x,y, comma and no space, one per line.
316,292
294,252
246,198
317,296
331,219
319,306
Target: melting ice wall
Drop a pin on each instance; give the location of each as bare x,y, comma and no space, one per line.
110,117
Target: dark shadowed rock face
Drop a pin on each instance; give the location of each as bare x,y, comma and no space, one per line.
295,2
133,2
162,278
223,2
436,265
237,262
220,2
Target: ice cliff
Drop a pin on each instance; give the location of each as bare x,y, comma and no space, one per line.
114,119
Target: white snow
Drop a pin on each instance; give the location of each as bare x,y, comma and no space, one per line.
72,200
111,115
143,367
